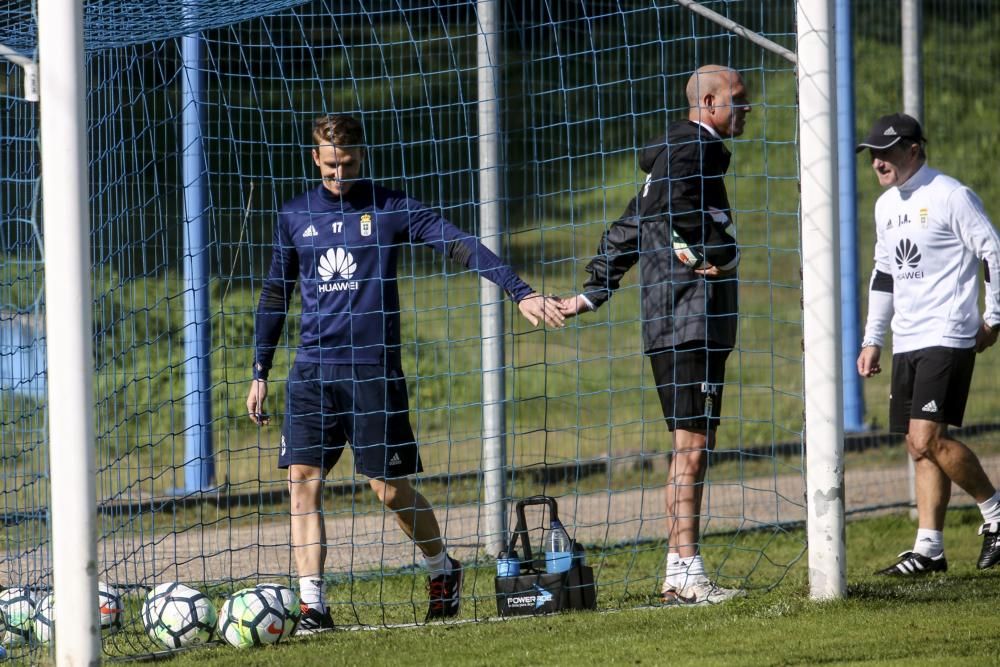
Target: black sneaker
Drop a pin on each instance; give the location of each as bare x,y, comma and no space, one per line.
990,555
445,593
314,621
912,564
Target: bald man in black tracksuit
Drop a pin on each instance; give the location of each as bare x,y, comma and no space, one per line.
689,314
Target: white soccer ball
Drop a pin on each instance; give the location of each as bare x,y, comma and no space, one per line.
290,602
110,607
175,615
688,255
252,617
18,607
44,622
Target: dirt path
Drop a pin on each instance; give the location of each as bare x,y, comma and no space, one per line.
363,542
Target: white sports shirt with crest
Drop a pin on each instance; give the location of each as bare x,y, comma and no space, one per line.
932,235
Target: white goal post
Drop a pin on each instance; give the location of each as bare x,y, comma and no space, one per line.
70,348
821,315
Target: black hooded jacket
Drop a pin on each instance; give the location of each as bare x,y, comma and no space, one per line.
684,190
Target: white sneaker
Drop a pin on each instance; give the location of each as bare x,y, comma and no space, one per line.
700,592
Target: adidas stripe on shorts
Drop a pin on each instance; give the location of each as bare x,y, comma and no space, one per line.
932,384
329,405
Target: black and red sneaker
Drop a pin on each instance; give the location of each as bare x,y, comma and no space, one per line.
445,593
314,621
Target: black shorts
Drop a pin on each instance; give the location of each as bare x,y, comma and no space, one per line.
932,384
329,405
689,380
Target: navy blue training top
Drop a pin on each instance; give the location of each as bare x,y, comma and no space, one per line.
344,253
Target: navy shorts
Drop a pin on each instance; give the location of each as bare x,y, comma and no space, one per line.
329,405
932,384
689,380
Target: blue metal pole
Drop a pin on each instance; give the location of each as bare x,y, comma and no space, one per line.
854,407
199,463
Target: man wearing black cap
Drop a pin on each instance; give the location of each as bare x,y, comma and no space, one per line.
931,235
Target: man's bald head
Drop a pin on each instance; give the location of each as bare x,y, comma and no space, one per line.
708,79
717,97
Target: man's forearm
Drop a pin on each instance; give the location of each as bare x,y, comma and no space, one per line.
880,309
269,322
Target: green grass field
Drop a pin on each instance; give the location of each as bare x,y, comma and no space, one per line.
946,619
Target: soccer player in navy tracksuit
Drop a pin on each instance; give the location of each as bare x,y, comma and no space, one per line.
341,242
689,315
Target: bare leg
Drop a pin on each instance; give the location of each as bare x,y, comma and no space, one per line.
308,531
685,487
929,440
933,494
413,513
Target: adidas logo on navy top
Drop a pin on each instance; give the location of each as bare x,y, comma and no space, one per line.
310,232
930,407
395,460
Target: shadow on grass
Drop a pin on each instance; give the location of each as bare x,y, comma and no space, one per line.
929,588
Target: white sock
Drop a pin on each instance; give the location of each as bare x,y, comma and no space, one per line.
929,543
673,558
670,577
684,571
675,574
991,509
438,565
311,592
695,568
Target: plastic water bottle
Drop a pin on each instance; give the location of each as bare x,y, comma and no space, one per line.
558,548
508,564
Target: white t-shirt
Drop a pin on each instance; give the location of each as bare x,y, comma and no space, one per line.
932,235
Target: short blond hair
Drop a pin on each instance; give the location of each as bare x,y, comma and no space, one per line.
338,130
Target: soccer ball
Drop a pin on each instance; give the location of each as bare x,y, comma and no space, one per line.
44,622
18,607
289,600
252,617
110,606
175,615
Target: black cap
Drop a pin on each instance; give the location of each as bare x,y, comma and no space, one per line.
890,129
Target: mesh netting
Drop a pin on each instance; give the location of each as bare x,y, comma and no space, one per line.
110,24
